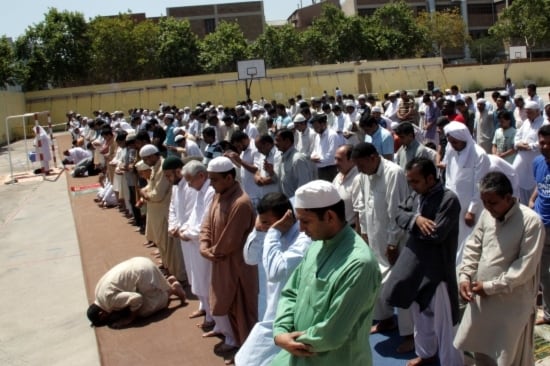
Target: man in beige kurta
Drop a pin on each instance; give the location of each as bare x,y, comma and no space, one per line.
234,286
499,278
135,284
157,193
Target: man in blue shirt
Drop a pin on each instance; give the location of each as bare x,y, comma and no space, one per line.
381,138
540,202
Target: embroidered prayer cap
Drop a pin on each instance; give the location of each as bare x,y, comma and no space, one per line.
221,164
316,194
148,150
532,105
141,166
172,163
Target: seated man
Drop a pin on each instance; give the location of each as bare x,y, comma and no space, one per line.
131,289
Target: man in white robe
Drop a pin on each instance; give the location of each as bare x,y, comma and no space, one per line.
42,146
499,275
382,186
199,269
277,246
526,144
466,163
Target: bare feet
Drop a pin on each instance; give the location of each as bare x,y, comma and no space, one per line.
407,345
422,361
207,326
384,325
212,334
197,314
178,291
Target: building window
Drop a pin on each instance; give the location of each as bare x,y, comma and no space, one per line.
209,25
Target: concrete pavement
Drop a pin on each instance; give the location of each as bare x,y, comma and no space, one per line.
43,304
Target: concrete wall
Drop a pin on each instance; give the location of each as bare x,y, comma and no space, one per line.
11,103
280,84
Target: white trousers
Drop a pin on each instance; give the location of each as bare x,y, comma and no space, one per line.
404,318
223,326
433,329
205,305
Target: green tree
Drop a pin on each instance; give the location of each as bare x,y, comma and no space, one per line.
220,50
7,63
525,20
54,52
443,29
178,48
279,47
122,49
333,37
395,31
486,49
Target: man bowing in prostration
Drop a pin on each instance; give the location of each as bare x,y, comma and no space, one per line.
234,286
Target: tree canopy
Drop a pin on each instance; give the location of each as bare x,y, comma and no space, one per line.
66,50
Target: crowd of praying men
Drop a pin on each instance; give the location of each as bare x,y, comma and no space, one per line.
224,196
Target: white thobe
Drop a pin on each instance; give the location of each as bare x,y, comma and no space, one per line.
523,162
464,171
198,268
280,255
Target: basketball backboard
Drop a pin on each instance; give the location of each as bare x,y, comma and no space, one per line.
518,52
251,69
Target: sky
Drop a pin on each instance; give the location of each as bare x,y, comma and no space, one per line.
20,14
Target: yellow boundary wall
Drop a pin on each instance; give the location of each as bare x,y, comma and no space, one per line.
280,84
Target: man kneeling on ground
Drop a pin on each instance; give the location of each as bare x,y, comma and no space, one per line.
131,289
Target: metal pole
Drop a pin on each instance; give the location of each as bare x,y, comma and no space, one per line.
26,144
51,140
12,179
464,11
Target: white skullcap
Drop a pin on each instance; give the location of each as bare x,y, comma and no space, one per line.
377,109
221,164
362,96
255,108
392,94
316,194
169,115
532,105
481,101
180,110
290,126
504,94
299,117
148,150
220,106
350,103
394,125
240,106
186,108
177,130
179,138
141,166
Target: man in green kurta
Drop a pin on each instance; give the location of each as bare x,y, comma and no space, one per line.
325,310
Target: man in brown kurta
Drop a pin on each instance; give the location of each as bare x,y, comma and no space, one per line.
234,286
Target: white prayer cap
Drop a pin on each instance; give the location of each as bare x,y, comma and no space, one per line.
220,106
392,94
458,130
504,94
532,105
180,110
221,164
290,126
394,125
148,150
481,101
169,115
152,113
350,103
179,138
186,108
362,96
316,194
141,166
255,108
299,117
240,106
376,109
